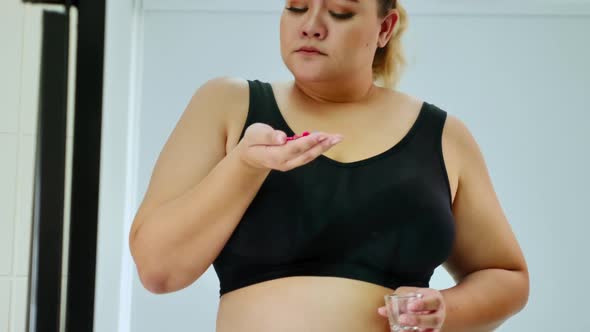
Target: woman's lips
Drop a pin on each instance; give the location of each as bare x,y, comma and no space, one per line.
309,51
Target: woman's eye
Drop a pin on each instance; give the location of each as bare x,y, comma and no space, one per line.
340,16
343,16
296,10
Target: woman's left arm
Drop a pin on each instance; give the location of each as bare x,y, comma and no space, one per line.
486,261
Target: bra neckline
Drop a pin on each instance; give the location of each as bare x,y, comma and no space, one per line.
405,139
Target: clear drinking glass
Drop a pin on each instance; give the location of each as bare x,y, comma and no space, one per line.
396,306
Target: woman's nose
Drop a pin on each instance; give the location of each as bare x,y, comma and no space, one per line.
315,33
314,28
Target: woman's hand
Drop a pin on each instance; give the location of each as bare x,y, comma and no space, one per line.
263,147
428,313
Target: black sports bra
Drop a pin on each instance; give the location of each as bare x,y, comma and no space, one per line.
386,219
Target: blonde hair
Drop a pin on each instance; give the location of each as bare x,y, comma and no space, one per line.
390,60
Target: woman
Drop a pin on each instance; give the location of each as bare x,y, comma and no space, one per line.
308,233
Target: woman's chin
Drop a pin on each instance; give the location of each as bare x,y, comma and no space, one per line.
310,75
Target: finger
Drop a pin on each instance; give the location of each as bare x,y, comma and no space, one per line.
277,137
285,153
312,153
302,145
405,290
425,304
262,134
294,137
424,321
382,311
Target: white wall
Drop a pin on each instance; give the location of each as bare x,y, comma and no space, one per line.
20,52
517,74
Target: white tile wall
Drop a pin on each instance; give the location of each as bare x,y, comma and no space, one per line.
5,290
19,304
8,166
11,32
20,42
30,70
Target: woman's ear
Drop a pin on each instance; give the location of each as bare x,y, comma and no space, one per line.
387,28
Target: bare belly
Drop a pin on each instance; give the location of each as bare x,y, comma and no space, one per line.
310,304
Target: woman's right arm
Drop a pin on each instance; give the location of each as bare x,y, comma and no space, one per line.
197,194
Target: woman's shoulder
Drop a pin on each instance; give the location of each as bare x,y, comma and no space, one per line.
224,94
225,85
230,96
453,123
459,142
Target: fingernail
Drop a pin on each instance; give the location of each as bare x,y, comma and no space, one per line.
336,140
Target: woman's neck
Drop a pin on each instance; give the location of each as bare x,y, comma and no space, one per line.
327,92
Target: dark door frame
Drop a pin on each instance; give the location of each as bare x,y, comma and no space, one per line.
44,297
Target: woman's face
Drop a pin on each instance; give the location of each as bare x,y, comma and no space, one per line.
345,32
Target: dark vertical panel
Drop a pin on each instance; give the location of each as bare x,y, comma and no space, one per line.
85,166
46,246
43,312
